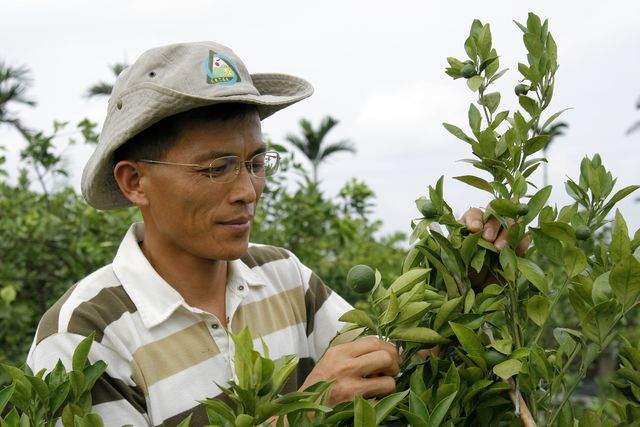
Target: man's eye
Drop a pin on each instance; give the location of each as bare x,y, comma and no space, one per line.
218,169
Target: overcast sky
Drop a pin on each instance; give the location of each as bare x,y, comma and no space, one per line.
377,66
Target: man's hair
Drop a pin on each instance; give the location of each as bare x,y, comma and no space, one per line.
154,142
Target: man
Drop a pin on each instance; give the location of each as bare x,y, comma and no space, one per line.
182,141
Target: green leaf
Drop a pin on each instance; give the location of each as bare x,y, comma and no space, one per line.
625,281
40,387
536,203
220,408
408,280
509,263
469,245
386,406
536,144
475,82
500,117
419,335
453,253
412,311
441,409
538,363
471,48
621,194
445,312
575,261
505,208
601,289
363,414
620,246
491,101
599,321
478,259
508,368
560,230
244,420
186,422
81,353
94,420
534,274
547,246
458,133
5,396
468,339
484,41
529,105
476,182
59,396
538,309
475,119
551,119
392,311
413,419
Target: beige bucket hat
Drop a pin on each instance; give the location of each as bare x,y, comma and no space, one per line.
169,80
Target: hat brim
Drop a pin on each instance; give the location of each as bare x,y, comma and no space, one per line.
99,187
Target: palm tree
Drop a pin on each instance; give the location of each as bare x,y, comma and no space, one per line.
554,131
14,82
636,125
104,88
313,145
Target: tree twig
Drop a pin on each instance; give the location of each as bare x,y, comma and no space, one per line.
521,408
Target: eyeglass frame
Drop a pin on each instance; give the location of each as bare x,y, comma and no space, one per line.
202,168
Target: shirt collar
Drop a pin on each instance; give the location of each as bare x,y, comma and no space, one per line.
154,298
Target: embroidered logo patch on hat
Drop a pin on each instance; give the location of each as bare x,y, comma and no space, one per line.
221,69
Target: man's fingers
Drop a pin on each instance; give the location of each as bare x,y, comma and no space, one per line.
501,241
472,219
371,344
523,246
491,229
376,386
378,362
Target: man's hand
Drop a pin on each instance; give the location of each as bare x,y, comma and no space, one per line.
492,231
366,367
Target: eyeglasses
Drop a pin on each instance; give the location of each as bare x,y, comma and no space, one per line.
227,168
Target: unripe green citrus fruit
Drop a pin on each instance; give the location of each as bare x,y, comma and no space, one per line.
521,89
468,70
523,209
583,232
361,278
428,209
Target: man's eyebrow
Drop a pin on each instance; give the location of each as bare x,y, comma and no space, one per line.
214,154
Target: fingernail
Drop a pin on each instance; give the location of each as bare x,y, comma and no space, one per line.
477,225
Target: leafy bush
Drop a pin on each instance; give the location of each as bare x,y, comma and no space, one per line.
39,400
485,310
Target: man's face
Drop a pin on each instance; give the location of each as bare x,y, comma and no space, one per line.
187,213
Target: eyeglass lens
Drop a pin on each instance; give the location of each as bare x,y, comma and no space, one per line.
261,165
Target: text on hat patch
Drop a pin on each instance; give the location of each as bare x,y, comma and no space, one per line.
220,69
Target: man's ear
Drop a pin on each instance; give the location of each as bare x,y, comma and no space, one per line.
128,175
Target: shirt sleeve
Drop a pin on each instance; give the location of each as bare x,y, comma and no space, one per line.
115,396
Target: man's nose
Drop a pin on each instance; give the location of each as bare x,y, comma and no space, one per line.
244,185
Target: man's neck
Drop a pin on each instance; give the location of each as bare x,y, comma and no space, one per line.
201,282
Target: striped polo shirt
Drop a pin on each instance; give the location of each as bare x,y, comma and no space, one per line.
165,356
